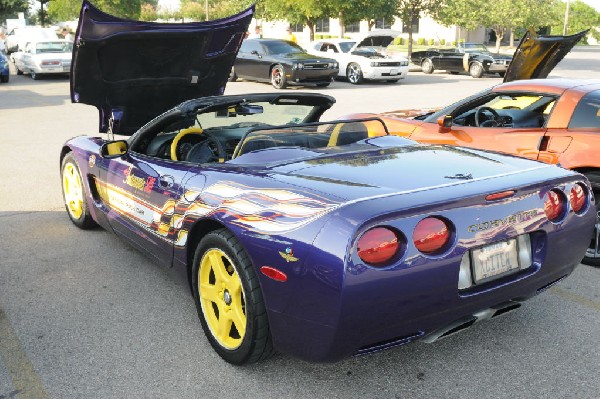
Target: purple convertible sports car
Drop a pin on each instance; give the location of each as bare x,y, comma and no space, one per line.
321,240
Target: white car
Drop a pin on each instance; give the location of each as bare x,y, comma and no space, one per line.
20,36
365,58
44,57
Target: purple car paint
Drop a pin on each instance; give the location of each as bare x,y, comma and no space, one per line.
300,200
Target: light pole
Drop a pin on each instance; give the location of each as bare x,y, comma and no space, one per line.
206,8
566,25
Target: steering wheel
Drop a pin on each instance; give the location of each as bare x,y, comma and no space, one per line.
492,122
209,149
177,138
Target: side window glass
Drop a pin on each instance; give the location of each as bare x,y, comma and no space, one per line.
587,112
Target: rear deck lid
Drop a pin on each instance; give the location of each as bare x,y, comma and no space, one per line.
537,56
133,71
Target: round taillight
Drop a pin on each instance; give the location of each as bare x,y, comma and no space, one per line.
578,197
378,246
554,205
431,235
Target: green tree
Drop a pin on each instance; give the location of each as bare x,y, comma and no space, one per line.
41,11
499,15
350,11
10,8
409,10
306,12
581,17
149,12
64,10
129,9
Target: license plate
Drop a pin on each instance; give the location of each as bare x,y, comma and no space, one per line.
494,261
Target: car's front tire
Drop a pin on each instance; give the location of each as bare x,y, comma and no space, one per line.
354,73
229,300
592,255
278,79
476,70
427,66
74,193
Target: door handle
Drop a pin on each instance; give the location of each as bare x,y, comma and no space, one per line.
166,181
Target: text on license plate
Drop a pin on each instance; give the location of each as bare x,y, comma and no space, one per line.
495,260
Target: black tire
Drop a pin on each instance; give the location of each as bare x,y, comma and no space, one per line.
35,76
232,75
354,73
592,255
74,195
322,84
476,70
427,66
256,343
278,79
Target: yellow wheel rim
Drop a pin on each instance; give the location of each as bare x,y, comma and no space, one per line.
73,190
222,299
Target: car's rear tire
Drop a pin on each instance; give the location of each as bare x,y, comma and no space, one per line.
74,195
592,255
354,73
35,76
278,79
427,66
476,70
232,75
229,300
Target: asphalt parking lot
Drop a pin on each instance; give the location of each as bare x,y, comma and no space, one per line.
84,315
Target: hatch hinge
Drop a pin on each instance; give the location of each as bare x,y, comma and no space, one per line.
114,123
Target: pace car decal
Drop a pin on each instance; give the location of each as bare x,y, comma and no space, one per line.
288,255
263,210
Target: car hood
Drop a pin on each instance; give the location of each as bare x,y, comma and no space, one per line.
133,71
537,56
376,38
384,165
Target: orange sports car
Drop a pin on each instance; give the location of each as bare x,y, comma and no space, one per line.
551,120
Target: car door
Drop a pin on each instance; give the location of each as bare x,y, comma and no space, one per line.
141,193
522,138
249,62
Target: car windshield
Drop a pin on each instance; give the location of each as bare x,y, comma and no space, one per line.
54,47
282,47
475,48
346,46
255,113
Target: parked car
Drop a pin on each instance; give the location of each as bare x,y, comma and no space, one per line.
281,62
364,58
473,58
295,234
556,121
4,69
44,58
18,37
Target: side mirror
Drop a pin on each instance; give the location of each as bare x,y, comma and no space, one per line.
445,123
114,149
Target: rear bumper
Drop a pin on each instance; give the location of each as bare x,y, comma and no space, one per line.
373,322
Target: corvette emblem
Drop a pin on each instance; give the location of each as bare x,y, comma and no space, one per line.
288,255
